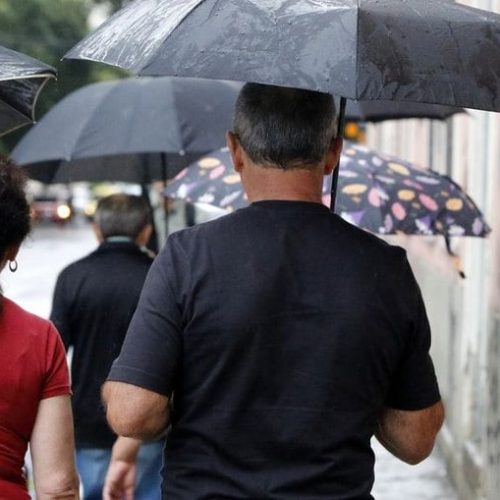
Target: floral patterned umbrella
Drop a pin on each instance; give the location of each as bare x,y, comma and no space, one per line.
377,192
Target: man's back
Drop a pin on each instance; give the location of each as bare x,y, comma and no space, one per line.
289,332
94,301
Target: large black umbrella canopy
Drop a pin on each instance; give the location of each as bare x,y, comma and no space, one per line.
434,51
132,130
21,80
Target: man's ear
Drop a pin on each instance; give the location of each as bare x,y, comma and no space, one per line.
143,237
97,232
333,155
235,151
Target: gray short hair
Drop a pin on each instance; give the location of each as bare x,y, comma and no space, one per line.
283,127
122,215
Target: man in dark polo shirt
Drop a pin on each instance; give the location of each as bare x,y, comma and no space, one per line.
93,303
276,341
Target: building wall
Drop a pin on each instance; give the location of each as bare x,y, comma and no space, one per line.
464,313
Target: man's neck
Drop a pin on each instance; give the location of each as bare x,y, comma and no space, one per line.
118,239
275,184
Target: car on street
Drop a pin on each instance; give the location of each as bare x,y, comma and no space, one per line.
51,208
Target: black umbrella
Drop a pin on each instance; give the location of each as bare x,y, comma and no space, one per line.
434,51
133,130
378,111
21,80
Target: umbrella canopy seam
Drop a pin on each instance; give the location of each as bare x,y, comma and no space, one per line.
15,127
88,120
182,17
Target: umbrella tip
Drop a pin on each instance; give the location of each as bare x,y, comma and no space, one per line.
457,264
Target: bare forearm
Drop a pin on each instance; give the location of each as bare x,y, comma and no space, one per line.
52,451
140,430
126,449
392,447
134,412
67,492
398,440
410,436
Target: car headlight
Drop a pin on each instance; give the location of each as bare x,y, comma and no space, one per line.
90,208
63,212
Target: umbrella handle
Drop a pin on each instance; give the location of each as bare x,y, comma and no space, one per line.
164,178
340,133
456,260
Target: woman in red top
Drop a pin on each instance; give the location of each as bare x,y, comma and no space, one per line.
35,406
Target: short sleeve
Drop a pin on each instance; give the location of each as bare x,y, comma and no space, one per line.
414,385
56,381
150,354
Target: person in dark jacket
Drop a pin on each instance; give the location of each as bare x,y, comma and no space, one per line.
94,300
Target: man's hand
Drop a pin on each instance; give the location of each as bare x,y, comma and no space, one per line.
120,481
122,470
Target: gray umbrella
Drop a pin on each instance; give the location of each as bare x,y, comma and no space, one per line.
21,80
133,130
434,51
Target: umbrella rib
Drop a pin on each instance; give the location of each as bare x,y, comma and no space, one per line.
14,128
32,112
35,99
28,77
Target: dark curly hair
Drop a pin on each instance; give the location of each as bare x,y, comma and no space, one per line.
15,216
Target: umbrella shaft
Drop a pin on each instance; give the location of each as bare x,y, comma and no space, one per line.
340,133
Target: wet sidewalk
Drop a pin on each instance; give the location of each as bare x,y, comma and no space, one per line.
395,480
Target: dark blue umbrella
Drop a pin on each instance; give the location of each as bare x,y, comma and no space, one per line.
132,130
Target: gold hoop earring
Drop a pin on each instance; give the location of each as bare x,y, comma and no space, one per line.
13,265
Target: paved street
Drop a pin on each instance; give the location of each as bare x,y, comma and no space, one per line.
50,248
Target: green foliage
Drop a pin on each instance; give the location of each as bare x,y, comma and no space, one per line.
47,29
114,5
